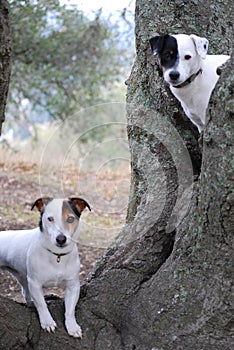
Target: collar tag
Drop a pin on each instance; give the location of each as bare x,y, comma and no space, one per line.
58,255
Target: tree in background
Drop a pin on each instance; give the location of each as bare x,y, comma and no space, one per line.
5,57
62,60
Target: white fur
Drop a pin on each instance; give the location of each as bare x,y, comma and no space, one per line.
26,255
194,97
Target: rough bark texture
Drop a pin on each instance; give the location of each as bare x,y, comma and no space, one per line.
5,57
166,282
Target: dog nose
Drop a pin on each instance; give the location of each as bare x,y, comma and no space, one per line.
61,239
174,75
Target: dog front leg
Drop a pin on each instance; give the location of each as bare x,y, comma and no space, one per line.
71,297
45,317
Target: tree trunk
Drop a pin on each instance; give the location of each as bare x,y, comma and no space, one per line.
166,281
5,57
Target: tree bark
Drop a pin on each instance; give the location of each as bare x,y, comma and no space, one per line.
166,281
5,57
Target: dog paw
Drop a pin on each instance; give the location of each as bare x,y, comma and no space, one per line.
48,325
73,329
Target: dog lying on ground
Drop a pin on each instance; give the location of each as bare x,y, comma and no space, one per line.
190,72
47,256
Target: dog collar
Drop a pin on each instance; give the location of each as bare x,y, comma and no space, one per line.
58,255
189,80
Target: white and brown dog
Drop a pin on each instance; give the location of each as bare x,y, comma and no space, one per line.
190,72
47,256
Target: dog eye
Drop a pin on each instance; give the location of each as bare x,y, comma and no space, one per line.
187,57
166,55
70,219
50,219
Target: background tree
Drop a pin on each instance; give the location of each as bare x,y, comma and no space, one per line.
62,60
5,56
166,282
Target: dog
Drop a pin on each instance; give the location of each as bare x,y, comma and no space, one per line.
190,72
47,256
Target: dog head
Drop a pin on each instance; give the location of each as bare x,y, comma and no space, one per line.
60,218
179,55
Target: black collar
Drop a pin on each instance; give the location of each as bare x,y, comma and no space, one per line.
188,81
58,255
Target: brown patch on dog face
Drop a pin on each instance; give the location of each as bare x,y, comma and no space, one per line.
69,219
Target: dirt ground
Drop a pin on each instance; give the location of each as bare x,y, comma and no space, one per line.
21,183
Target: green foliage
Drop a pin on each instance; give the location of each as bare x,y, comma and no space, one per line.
61,59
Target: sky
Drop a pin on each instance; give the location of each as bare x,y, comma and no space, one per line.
108,6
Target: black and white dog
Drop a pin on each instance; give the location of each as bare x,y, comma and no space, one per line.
190,72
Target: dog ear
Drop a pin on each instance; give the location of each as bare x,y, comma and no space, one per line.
201,45
80,203
157,43
40,203
154,44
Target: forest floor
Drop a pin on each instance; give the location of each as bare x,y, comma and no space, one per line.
22,181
